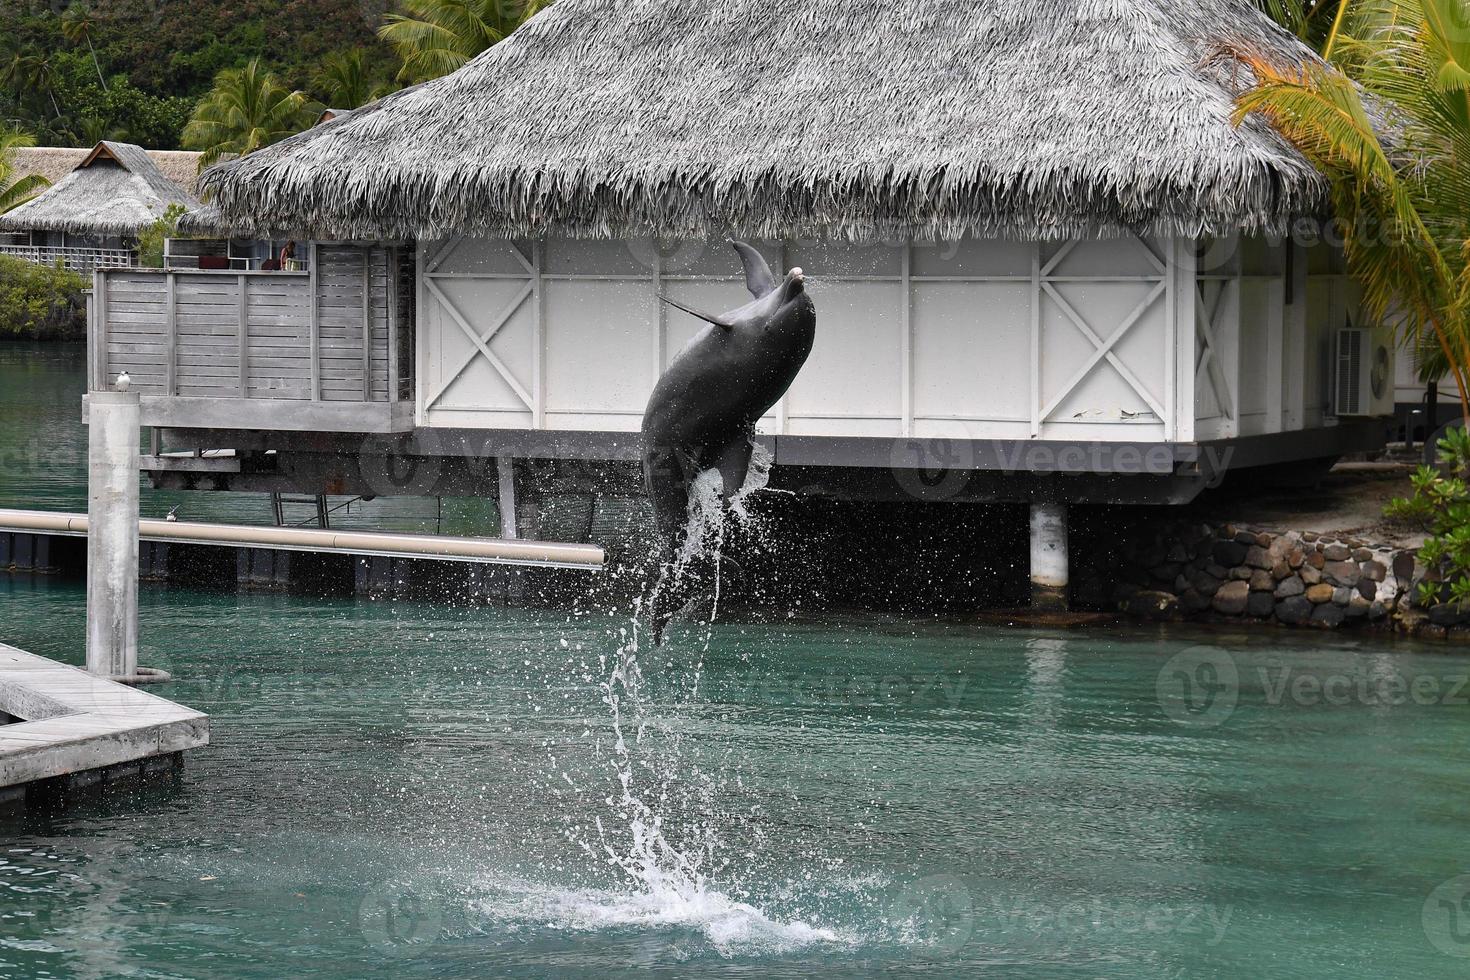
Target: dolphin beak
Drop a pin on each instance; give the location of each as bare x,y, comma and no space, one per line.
794,286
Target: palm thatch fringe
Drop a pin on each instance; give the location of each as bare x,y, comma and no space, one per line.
116,189
860,120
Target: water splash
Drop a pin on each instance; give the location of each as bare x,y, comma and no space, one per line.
661,831
730,927
706,527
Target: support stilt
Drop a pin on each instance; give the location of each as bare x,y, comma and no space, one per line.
505,471
1049,557
112,542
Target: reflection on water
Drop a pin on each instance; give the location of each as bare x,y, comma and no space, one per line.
400,790
43,461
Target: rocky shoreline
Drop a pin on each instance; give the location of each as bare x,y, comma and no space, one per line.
1200,571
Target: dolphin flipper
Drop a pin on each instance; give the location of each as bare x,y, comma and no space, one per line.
719,320
758,278
733,464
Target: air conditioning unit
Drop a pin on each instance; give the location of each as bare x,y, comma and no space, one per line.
1362,382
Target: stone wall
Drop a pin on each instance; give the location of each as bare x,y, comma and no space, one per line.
1303,579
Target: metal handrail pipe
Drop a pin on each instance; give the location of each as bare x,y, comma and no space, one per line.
499,551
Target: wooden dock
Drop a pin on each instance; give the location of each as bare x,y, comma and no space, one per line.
64,722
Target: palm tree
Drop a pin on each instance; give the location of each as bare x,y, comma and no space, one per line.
15,190
436,37
248,108
30,71
1402,209
91,130
77,25
1318,23
344,80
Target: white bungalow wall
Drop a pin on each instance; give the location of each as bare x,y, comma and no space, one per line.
1094,340
1264,362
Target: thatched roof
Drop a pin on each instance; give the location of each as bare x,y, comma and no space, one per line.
181,167
857,119
112,189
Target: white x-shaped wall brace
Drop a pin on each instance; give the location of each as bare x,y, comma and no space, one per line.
1104,349
481,340
1209,364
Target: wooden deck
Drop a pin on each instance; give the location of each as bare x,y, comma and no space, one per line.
321,350
77,722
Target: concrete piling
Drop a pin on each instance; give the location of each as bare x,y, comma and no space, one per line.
113,434
1049,563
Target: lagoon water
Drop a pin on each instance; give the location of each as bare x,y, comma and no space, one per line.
408,790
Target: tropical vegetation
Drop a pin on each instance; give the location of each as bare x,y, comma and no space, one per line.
1387,119
153,239
248,108
436,37
41,302
119,70
347,80
1440,504
16,188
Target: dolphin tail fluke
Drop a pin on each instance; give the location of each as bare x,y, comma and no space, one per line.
667,474
758,277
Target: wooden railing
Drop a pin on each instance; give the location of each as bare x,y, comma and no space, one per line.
83,260
295,351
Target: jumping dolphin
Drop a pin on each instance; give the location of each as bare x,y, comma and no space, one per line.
703,411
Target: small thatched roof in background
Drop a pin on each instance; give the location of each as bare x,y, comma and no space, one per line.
856,119
181,167
112,189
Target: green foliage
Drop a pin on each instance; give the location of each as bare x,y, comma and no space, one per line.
16,189
77,25
1441,505
1316,22
151,239
41,302
248,108
346,80
138,67
1400,210
436,37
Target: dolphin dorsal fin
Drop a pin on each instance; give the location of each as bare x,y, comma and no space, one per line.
758,278
717,319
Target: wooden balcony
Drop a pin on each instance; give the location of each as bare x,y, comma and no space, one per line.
325,350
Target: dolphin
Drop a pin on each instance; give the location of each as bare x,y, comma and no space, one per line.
704,408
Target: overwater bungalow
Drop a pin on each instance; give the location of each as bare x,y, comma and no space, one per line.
1048,266
98,203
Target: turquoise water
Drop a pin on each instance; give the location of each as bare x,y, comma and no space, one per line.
866,797
405,790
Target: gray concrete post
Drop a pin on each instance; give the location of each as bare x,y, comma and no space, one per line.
112,533
1049,566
